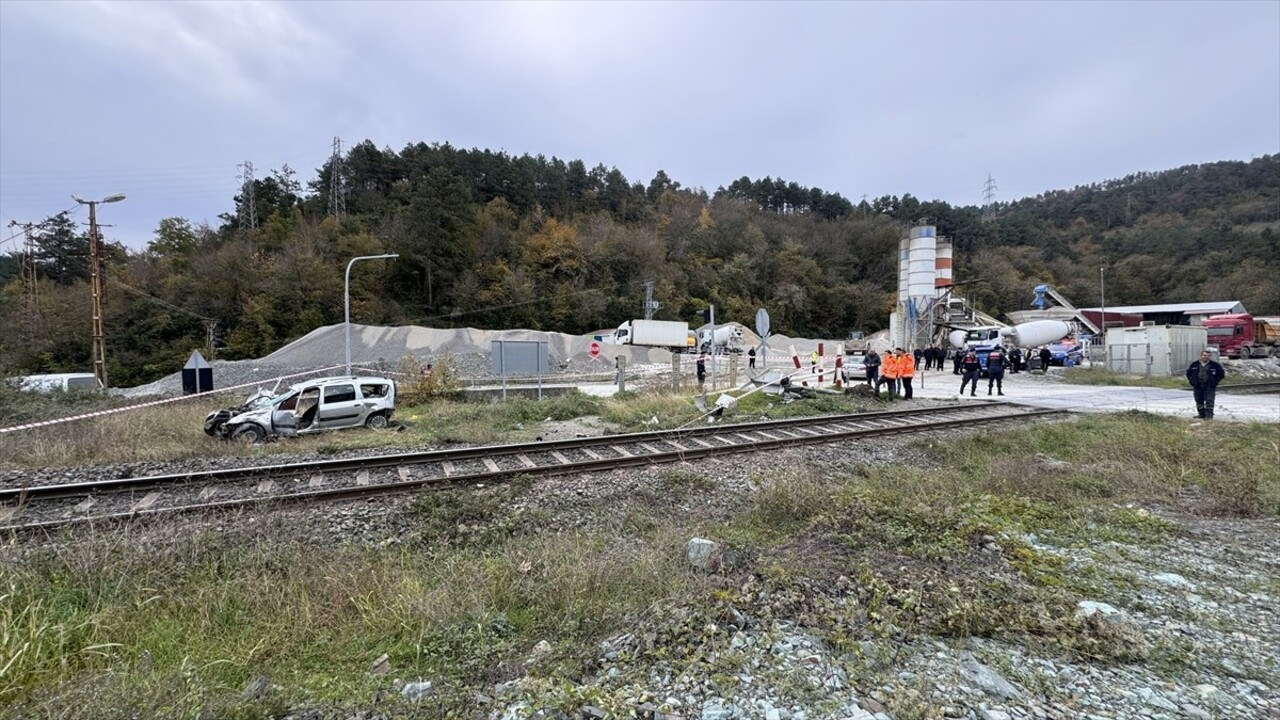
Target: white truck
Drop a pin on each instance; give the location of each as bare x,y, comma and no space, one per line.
669,334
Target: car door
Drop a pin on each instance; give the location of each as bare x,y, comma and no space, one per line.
340,406
284,416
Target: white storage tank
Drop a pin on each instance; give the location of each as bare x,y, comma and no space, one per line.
1154,350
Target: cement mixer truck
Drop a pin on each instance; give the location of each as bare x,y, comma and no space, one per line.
982,339
727,339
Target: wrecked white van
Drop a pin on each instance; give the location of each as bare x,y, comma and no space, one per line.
313,406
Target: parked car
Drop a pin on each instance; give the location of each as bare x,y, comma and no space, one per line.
855,369
313,406
1065,354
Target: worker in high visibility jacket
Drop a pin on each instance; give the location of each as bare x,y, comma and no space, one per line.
906,371
889,373
891,369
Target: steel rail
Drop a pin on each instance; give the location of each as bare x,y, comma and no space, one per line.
833,431
1251,388
134,484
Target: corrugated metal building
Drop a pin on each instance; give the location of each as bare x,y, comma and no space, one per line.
1171,314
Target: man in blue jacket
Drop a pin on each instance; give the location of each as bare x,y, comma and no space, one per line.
1204,376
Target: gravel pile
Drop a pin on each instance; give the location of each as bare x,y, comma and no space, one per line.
380,349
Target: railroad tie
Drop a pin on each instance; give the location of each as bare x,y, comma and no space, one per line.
677,445
83,506
146,502
448,468
266,486
524,459
315,481
651,449
362,477
622,451
489,463
592,454
404,472
560,457
208,493
7,512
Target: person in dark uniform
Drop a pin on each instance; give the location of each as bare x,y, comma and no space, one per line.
995,369
1204,376
701,367
1015,359
956,361
971,368
751,359
917,354
872,365
1045,357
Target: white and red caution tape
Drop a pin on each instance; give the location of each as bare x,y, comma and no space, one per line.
153,403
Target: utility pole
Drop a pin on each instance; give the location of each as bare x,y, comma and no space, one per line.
95,287
1102,299
30,297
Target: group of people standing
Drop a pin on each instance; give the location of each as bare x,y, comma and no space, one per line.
971,367
933,357
896,369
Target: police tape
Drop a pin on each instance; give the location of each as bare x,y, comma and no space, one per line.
154,403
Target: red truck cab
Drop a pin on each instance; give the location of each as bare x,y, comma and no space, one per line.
1240,336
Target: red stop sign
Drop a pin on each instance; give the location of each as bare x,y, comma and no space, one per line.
595,349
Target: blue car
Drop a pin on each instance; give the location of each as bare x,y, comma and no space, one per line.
1065,354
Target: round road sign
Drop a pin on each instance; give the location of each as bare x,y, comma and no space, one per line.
595,349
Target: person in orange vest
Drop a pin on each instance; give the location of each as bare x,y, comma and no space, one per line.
889,373
906,371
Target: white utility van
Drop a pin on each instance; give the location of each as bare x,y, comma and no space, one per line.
56,381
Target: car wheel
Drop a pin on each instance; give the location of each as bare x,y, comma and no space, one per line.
250,434
377,422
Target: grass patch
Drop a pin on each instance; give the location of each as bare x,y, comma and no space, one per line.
1099,376
116,625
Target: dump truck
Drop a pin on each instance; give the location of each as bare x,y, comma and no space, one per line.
1243,335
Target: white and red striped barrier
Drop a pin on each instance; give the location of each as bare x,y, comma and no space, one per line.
154,403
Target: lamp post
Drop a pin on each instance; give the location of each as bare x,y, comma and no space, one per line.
95,286
1102,299
346,300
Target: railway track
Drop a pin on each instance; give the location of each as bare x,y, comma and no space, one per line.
1251,388
48,507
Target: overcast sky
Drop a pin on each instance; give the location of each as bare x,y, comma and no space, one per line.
162,100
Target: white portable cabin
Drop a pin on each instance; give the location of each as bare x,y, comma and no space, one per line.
1154,350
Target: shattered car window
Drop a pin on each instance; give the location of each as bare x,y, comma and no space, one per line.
339,393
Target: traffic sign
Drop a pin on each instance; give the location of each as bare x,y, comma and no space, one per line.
762,323
595,349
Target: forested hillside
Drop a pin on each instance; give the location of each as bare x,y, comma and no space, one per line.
495,241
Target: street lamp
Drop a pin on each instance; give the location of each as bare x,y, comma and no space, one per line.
95,286
346,299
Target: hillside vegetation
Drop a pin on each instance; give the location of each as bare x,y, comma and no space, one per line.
494,241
